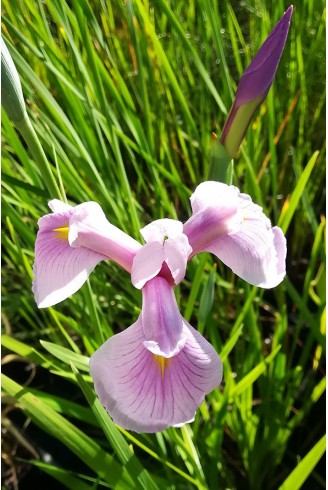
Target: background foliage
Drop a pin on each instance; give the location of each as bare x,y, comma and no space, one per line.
124,97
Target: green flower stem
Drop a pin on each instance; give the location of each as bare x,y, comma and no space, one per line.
221,164
27,131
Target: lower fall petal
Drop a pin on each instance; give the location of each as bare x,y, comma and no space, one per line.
146,393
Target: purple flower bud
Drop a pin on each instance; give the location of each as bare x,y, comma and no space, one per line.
255,84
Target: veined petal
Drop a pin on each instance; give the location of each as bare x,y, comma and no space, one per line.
161,319
227,223
146,393
147,263
257,252
59,270
70,243
89,227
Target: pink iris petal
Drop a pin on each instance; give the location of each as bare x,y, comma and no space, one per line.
215,214
89,227
70,243
256,254
160,228
165,242
238,233
177,251
147,263
146,393
58,206
161,319
214,194
59,270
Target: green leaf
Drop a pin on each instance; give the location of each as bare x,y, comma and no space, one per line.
253,375
115,438
195,57
77,441
65,477
304,468
66,407
26,351
288,213
66,355
206,299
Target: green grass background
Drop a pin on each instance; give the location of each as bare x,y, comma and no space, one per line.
124,97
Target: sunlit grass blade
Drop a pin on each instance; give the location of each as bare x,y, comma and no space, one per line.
66,355
302,471
291,205
67,478
115,438
72,437
199,65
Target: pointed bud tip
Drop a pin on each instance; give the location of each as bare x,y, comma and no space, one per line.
289,11
287,16
254,84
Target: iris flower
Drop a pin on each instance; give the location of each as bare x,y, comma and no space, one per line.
157,372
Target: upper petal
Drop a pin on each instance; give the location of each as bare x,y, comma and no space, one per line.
176,253
145,393
58,206
159,229
165,242
215,213
147,263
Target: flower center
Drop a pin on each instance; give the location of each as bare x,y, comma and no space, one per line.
161,362
62,233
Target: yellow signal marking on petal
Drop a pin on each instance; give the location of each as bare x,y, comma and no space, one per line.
162,362
62,233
